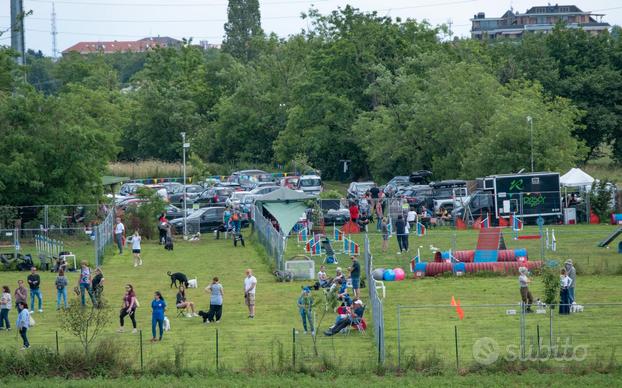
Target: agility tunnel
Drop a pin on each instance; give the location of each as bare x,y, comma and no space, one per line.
503,255
510,268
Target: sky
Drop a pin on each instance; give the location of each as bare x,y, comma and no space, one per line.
106,20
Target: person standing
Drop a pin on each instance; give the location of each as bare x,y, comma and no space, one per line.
250,286
23,323
564,299
136,248
162,222
158,305
5,306
305,305
354,212
411,217
572,274
400,231
119,234
129,308
384,227
84,282
34,282
61,283
523,281
355,276
97,286
215,303
21,293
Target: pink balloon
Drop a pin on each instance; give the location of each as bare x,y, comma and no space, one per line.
399,274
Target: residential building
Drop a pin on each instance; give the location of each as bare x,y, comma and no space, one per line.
111,47
536,19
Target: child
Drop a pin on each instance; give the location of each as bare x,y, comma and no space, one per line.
523,281
322,277
305,305
136,249
23,323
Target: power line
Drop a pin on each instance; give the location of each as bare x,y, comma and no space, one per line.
169,4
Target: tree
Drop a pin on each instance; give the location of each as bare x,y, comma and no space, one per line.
602,198
85,322
243,29
144,216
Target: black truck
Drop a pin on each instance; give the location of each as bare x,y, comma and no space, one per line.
527,195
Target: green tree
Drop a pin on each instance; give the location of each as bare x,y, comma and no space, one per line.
243,29
602,198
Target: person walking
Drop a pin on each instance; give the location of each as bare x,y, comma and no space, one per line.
572,274
84,282
305,306
564,298
250,286
355,276
23,323
119,234
130,303
21,293
97,287
523,281
136,248
400,229
216,300
34,282
5,306
162,222
61,283
384,227
158,306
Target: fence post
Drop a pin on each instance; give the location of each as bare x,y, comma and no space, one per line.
399,347
57,350
379,344
538,337
217,355
294,348
551,328
456,341
141,349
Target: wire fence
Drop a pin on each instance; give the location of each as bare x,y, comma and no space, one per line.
505,332
375,301
273,240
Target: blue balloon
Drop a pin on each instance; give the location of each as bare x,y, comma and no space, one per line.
389,275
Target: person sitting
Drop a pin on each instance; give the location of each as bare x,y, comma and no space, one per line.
322,278
183,303
342,313
355,314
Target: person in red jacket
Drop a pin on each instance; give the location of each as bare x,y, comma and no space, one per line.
354,212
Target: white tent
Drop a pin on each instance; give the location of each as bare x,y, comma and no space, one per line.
576,178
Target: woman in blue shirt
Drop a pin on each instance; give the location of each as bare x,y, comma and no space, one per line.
158,305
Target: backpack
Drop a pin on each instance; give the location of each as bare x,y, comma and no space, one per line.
235,217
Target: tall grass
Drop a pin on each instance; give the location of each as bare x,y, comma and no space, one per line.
148,169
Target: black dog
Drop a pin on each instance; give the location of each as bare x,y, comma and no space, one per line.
178,277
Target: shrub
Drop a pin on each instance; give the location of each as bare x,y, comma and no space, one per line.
550,279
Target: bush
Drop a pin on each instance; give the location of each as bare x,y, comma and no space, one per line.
144,217
330,194
550,279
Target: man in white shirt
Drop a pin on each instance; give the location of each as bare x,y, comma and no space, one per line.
250,285
119,234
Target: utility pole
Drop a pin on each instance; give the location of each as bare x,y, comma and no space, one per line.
530,121
185,146
17,30
54,33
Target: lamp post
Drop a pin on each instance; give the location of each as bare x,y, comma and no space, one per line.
530,121
184,147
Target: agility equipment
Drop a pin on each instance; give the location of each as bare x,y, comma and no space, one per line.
378,274
350,247
338,235
421,229
314,246
303,236
389,275
610,238
399,274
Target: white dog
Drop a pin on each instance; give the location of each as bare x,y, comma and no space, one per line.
192,283
576,308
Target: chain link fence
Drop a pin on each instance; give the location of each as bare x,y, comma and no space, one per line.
273,240
375,302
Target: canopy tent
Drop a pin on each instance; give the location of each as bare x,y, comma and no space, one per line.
576,178
286,205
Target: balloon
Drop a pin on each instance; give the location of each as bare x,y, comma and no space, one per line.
378,274
399,274
389,275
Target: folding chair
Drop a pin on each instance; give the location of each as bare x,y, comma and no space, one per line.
181,312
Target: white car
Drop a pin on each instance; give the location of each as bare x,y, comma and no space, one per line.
237,197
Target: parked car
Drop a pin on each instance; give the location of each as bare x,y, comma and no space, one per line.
191,192
213,195
419,195
263,190
237,197
310,184
395,184
290,182
129,188
173,212
358,189
202,220
173,187
249,178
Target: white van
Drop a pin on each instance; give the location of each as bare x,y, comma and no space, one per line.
310,184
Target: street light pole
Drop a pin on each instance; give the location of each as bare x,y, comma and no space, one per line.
183,139
530,121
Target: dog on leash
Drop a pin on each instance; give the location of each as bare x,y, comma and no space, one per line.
284,276
576,308
178,277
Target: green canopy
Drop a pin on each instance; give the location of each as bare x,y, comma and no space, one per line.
287,214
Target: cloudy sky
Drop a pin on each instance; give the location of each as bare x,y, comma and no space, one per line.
100,20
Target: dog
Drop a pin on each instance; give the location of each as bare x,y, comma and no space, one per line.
168,244
238,238
192,283
540,304
576,308
178,277
284,276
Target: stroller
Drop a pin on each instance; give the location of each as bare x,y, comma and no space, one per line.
330,252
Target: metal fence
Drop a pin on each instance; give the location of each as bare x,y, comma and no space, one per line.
103,236
375,301
273,240
506,332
